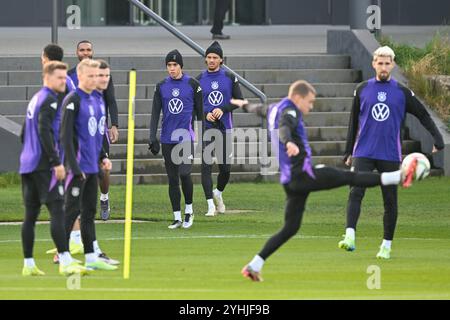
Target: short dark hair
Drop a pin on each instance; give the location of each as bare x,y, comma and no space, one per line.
53,52
51,66
103,64
301,88
84,41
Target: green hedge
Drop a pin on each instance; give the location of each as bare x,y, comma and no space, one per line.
421,63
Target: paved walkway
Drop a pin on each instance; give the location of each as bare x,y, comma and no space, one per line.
246,40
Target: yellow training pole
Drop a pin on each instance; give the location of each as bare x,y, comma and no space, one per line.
129,187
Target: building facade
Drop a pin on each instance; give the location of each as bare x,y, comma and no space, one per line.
200,12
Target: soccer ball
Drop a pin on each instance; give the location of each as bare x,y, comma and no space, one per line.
422,167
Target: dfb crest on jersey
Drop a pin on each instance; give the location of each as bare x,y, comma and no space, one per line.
175,106
382,96
61,190
215,85
175,92
75,192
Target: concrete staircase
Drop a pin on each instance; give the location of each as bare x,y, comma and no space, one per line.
20,78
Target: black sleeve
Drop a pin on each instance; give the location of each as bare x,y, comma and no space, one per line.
156,112
198,99
103,153
258,108
236,93
198,103
47,114
287,125
22,132
205,113
353,121
416,108
111,104
70,110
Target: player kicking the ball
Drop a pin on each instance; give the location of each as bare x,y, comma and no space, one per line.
298,176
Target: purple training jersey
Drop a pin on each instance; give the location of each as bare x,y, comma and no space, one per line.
382,112
30,157
300,163
84,127
217,92
177,98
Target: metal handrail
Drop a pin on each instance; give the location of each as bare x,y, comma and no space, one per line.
188,41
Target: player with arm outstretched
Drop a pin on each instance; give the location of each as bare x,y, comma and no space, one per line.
218,87
297,174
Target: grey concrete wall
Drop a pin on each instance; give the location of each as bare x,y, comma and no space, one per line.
360,44
22,13
9,144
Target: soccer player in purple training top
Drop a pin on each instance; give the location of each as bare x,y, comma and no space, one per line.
373,141
102,83
179,96
53,52
76,246
84,154
85,50
298,176
42,171
218,86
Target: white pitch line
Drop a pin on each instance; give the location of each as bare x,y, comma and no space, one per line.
112,289
228,236
137,290
163,238
18,223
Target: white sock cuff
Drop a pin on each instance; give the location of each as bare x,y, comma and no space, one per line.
257,263
97,249
386,243
210,203
177,215
350,232
91,257
65,258
75,236
76,233
29,262
188,209
391,178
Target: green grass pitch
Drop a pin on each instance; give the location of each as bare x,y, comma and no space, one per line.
205,261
